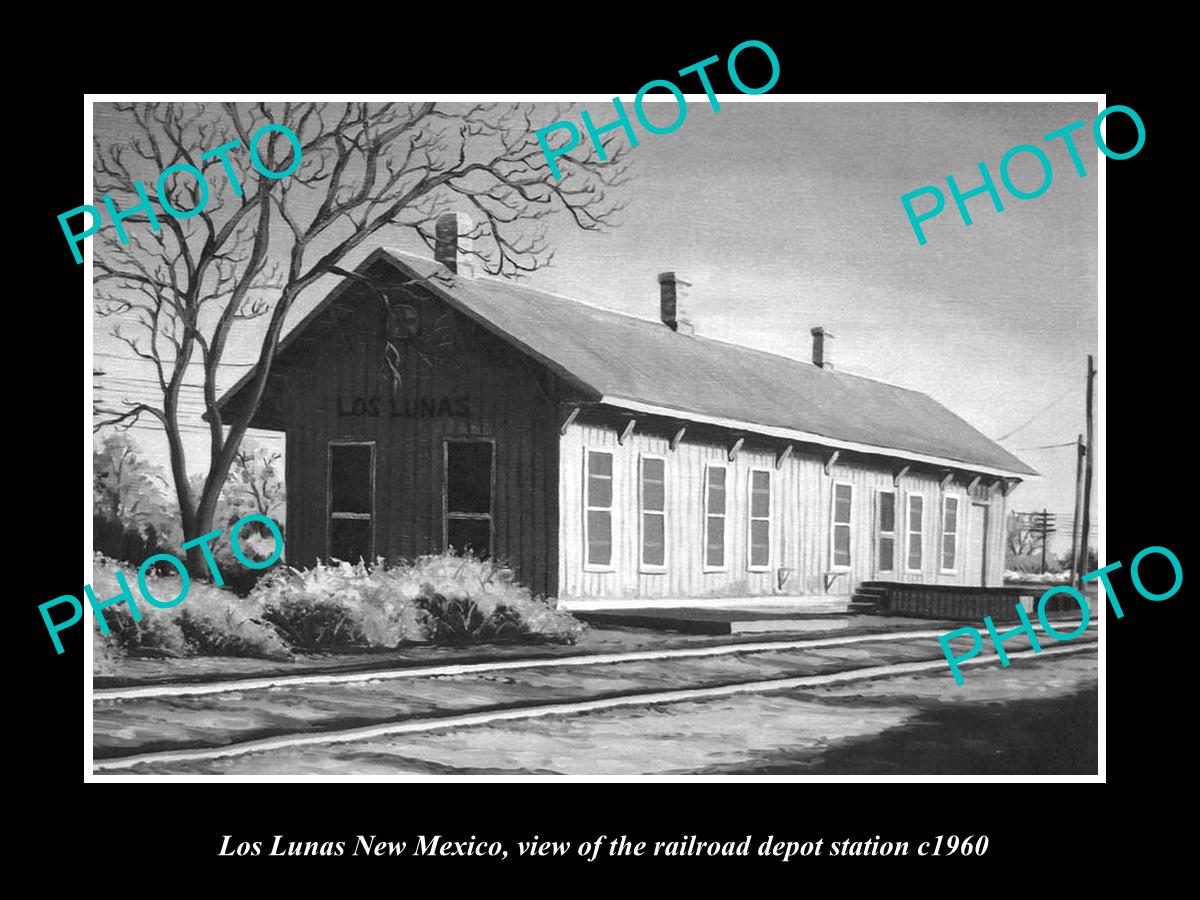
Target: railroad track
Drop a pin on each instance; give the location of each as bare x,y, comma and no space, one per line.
735,664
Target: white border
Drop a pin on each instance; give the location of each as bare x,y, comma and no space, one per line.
588,565
705,568
833,523
1101,163
908,531
877,532
946,498
644,567
751,519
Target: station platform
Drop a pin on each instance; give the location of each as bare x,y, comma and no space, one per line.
726,616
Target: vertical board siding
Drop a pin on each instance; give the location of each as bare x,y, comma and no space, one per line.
801,527
538,497
344,359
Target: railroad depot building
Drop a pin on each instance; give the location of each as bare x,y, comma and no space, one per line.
609,457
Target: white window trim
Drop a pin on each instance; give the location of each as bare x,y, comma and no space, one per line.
943,532
880,533
370,517
833,567
447,516
725,522
644,566
908,532
750,519
612,498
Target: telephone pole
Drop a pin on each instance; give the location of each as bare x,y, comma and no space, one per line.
1043,524
1087,476
1076,572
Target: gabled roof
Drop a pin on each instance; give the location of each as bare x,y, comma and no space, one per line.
644,366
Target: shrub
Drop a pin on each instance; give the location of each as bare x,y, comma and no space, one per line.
441,599
210,622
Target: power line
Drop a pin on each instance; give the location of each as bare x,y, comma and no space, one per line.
1048,446
150,381
171,362
1044,409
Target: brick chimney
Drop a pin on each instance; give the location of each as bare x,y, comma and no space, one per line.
452,243
671,311
822,352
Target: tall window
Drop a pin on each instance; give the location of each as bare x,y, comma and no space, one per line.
654,514
351,501
887,531
949,534
916,528
468,473
597,523
714,518
843,495
760,520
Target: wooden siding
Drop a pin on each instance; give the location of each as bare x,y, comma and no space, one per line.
508,399
801,512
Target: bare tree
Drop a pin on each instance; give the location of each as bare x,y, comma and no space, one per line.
256,242
256,483
1022,539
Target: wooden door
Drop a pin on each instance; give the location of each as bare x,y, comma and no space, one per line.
977,543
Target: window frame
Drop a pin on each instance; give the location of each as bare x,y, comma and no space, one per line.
751,519
588,565
724,567
329,510
490,515
834,525
908,532
643,566
880,534
943,532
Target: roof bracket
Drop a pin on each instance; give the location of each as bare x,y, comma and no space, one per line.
946,479
678,437
570,418
1006,486
780,458
737,445
624,435
974,481
832,459
900,474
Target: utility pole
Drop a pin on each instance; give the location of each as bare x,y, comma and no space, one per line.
1087,477
1076,572
1043,524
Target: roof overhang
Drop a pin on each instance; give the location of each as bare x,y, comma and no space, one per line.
793,434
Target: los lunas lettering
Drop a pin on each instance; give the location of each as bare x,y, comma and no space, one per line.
413,408
364,845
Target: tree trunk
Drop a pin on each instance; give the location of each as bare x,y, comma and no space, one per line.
197,566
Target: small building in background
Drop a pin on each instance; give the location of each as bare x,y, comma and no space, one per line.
607,457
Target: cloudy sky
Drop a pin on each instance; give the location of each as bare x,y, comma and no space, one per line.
787,215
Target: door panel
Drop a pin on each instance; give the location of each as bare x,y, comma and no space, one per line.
977,535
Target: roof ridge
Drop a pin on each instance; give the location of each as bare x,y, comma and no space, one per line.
722,381
498,280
